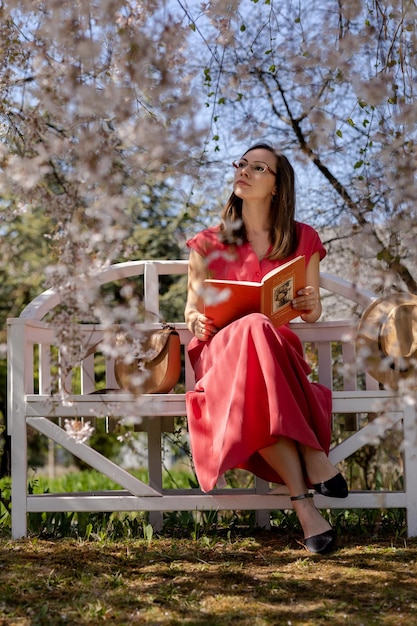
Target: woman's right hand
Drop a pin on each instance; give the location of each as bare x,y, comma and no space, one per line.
203,327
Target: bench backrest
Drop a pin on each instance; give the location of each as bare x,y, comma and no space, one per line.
329,345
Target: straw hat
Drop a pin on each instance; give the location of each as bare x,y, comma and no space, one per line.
387,339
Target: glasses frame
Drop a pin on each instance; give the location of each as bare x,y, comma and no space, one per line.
251,166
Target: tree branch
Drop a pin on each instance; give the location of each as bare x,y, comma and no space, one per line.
393,262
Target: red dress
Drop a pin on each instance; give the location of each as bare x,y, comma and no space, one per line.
252,382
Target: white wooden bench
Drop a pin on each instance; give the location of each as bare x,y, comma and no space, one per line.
30,404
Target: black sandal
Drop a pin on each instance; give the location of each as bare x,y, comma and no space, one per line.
318,544
335,487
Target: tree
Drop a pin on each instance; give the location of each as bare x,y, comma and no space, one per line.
93,101
26,254
92,108
156,231
332,83
100,99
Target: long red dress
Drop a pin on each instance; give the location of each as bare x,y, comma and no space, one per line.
252,382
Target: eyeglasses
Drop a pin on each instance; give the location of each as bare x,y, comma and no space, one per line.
257,167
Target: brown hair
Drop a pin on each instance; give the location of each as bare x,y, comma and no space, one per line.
282,232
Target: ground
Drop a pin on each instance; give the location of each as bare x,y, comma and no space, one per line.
267,578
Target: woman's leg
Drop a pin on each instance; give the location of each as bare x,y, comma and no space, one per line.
323,475
317,464
284,457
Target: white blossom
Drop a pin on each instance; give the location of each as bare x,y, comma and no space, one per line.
79,430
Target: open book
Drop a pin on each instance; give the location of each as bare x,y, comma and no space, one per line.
228,300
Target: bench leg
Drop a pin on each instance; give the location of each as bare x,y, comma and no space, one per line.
410,469
155,468
19,477
263,518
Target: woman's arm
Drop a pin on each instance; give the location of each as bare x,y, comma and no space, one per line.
200,325
308,299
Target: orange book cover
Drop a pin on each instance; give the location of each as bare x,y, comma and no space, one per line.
228,300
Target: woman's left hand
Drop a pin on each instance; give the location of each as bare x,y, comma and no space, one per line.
307,299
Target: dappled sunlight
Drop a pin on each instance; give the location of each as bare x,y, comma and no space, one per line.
254,581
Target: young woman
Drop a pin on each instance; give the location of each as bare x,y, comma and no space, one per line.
259,411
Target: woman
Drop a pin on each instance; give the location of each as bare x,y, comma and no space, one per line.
259,411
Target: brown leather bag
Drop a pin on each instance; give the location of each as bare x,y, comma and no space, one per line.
158,366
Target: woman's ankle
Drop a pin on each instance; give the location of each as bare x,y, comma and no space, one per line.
310,518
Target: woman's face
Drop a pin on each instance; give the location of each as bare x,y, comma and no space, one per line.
255,175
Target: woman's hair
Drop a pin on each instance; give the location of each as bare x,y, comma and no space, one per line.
282,212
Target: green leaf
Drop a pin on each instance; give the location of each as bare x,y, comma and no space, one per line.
242,28
350,121
272,69
339,133
148,533
88,531
192,26
358,164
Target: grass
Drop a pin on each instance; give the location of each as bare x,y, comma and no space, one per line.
266,578
207,569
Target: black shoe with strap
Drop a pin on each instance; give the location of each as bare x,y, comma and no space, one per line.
318,544
335,487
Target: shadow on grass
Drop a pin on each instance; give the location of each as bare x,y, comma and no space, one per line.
261,579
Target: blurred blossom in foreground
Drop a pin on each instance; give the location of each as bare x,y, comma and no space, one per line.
78,430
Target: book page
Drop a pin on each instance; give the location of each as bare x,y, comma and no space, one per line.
282,294
279,290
